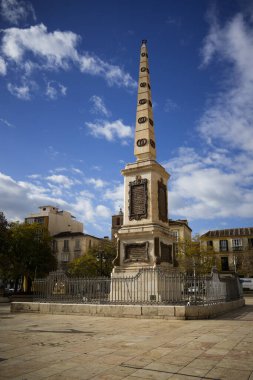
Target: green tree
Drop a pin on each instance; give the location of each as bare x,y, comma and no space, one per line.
4,239
192,257
28,253
90,264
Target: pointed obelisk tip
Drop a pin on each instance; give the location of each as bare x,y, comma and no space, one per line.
144,42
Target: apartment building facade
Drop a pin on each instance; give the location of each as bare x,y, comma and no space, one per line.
55,220
233,247
68,246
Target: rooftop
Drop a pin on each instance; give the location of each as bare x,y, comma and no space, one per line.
245,231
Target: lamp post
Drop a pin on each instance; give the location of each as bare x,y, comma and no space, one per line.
101,258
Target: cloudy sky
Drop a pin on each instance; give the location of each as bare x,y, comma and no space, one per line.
68,73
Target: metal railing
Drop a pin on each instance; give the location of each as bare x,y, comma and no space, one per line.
149,286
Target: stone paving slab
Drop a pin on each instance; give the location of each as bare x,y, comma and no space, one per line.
45,346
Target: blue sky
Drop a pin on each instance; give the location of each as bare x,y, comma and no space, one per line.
68,74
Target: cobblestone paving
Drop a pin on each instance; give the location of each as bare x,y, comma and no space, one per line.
34,346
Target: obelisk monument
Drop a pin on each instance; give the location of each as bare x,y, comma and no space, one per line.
145,240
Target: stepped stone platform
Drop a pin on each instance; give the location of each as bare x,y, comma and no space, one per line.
134,311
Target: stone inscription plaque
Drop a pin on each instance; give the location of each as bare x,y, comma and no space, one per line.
166,253
138,204
162,201
136,252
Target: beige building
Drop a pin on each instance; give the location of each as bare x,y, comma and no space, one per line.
68,246
69,241
233,247
55,220
117,222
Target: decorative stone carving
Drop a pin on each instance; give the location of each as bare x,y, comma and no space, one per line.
151,122
143,84
142,119
142,101
152,143
136,252
141,142
138,199
166,253
157,250
162,201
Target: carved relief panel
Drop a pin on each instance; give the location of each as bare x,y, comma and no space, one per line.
162,201
136,252
138,199
166,253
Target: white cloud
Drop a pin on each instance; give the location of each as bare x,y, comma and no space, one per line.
217,181
98,106
170,105
15,11
116,195
18,198
229,118
61,180
57,50
114,75
6,123
98,183
103,211
3,67
202,187
21,92
54,90
110,130
52,152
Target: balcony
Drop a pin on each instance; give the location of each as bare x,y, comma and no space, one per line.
238,248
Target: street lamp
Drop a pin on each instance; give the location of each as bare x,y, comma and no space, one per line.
102,259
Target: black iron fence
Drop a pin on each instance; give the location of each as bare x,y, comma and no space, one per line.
149,286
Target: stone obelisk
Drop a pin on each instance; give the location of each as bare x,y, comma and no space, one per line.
144,241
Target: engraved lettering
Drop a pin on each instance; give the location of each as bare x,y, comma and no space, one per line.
136,252
151,122
142,101
143,69
143,84
138,199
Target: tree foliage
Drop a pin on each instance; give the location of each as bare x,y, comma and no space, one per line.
26,251
96,262
192,257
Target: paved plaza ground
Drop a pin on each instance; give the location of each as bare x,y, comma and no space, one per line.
42,346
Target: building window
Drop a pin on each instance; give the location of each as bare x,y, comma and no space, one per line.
77,244
64,257
66,246
224,263
39,220
55,246
209,243
175,234
237,244
118,222
223,245
250,242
